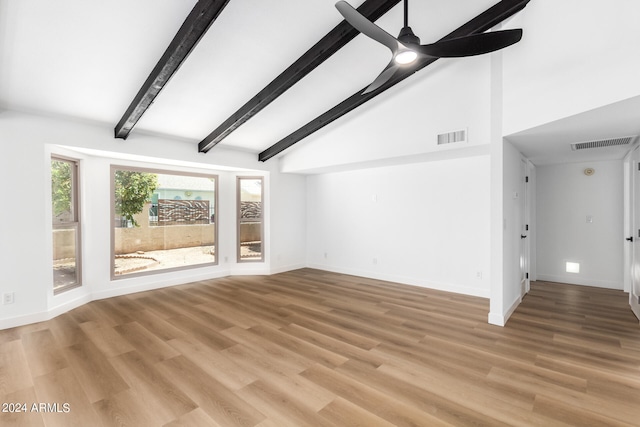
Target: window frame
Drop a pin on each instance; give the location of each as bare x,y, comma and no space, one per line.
75,222
161,171
239,219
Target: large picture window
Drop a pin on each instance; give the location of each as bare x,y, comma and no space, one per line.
250,219
66,224
163,220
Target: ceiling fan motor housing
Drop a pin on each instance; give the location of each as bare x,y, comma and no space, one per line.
407,36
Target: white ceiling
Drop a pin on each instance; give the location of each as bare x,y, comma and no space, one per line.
87,60
551,142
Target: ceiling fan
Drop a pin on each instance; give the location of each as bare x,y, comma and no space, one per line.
406,48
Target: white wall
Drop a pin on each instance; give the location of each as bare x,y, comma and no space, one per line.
514,195
424,224
565,198
23,250
287,220
575,56
26,261
402,123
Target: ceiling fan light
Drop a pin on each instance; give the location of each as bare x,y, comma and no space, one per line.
405,57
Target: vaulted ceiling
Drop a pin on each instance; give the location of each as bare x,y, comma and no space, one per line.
88,60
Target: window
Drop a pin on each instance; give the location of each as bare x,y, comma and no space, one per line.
163,220
250,219
66,224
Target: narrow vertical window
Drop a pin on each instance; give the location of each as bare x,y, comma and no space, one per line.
66,224
250,219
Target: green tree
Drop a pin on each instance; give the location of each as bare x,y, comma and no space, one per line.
132,191
60,186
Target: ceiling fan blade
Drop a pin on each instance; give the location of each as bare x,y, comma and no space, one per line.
383,77
475,44
366,27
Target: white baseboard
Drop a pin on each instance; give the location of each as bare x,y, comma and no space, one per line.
584,281
13,322
284,269
62,308
447,287
635,304
501,319
121,287
128,286
496,319
43,316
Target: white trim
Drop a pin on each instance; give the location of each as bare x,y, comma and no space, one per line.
496,319
159,284
447,287
501,319
12,322
512,309
635,305
156,284
584,281
628,169
66,306
284,269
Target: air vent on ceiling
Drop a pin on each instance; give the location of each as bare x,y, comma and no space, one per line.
603,143
451,137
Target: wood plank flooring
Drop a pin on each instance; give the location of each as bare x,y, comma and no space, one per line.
311,348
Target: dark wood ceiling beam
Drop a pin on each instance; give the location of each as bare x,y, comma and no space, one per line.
203,14
481,23
320,52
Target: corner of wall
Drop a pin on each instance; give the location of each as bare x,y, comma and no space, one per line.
496,319
501,319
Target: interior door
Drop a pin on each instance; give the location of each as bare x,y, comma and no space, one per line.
634,236
523,207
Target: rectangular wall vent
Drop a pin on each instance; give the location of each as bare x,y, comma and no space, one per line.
451,137
602,143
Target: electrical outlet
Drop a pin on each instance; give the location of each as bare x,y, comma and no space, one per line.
375,261
479,275
8,298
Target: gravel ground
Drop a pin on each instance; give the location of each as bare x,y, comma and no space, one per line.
171,258
64,270
154,260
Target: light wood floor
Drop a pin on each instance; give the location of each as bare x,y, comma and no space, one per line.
310,348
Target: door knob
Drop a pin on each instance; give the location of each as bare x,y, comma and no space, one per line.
629,239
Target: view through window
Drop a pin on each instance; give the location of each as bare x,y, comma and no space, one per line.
162,220
250,219
66,224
